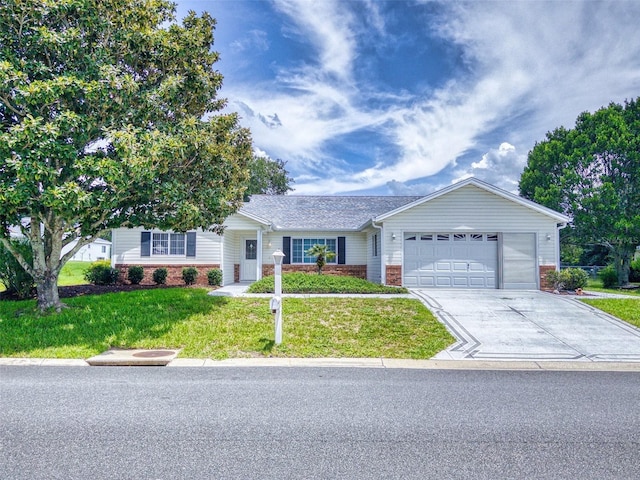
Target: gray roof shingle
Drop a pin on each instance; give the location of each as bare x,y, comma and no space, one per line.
301,212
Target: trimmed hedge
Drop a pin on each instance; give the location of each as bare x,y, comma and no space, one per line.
160,276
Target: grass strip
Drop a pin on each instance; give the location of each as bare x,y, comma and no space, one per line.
221,327
627,309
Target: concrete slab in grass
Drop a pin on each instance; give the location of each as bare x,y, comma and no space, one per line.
134,357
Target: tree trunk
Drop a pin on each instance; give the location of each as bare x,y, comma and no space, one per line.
47,288
623,255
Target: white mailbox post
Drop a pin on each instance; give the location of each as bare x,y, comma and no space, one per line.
276,301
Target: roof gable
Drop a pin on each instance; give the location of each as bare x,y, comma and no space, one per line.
483,186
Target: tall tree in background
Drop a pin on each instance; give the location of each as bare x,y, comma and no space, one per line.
592,173
268,177
101,125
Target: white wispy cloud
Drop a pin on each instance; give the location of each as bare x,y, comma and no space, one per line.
530,67
254,40
329,28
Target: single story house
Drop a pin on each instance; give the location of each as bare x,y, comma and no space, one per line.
99,249
468,235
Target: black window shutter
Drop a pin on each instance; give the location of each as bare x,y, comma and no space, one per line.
191,244
341,251
286,249
145,244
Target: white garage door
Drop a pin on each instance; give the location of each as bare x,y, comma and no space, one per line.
450,260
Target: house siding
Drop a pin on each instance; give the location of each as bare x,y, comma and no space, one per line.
374,270
230,243
127,251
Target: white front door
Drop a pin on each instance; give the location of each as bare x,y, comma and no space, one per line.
249,260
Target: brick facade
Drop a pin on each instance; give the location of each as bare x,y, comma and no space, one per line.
544,269
394,275
359,271
174,273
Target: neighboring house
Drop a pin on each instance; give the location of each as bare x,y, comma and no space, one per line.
468,235
99,249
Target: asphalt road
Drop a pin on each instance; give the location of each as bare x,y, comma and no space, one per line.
290,423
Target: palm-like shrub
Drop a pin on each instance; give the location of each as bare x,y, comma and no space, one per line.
322,254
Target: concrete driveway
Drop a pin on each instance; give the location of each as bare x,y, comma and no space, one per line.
529,325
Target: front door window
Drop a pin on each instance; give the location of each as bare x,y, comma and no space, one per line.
251,249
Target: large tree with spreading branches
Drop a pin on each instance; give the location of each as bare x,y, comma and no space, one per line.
109,117
592,173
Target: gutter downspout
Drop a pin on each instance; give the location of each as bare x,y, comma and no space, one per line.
383,264
559,227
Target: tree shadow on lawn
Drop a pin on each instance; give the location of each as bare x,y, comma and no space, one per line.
93,324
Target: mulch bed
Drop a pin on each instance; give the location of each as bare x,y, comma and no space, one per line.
80,290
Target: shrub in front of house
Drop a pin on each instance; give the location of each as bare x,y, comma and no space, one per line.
568,279
135,274
160,276
101,273
17,281
299,282
189,275
609,276
214,277
574,278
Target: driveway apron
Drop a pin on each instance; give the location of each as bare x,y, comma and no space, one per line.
529,325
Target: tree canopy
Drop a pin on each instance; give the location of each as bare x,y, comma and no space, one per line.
109,117
592,173
268,177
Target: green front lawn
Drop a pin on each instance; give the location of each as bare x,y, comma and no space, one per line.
299,282
222,327
627,309
596,286
72,274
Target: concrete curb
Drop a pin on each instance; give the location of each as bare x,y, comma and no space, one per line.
389,363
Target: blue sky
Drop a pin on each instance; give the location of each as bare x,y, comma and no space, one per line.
406,97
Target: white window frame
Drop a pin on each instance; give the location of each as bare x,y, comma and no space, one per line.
171,243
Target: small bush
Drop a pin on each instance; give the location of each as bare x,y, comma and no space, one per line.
214,277
574,278
189,275
609,276
101,273
135,274
568,279
634,274
17,281
553,279
160,276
